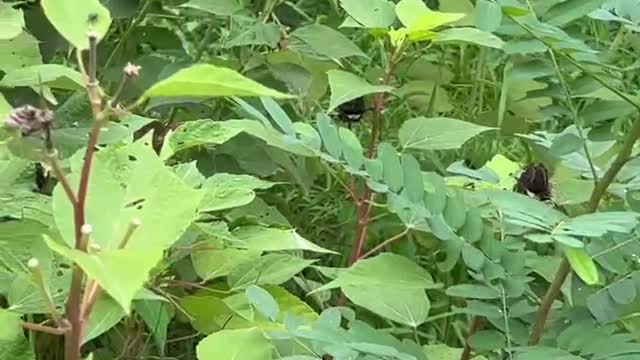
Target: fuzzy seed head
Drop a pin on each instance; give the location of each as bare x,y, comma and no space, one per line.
132,70
29,120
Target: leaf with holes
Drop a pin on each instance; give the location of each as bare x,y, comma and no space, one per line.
74,18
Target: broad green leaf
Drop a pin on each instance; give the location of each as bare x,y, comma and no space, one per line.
488,15
52,75
415,15
157,315
469,35
384,270
218,7
270,269
406,306
351,148
212,263
524,211
200,132
392,172
623,291
413,183
329,134
582,263
121,273
278,115
154,195
225,191
74,18
203,81
325,41
106,314
291,304
472,257
242,344
370,13
473,291
273,239
11,21
10,322
543,352
19,52
570,10
346,86
263,302
437,133
5,108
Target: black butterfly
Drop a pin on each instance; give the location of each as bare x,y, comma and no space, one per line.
534,181
352,111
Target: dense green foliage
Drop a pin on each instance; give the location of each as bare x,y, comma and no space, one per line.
328,179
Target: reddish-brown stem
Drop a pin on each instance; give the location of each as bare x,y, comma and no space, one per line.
594,201
364,204
57,171
476,322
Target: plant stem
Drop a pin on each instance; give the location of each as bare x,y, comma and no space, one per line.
594,201
43,329
383,244
476,322
62,179
364,204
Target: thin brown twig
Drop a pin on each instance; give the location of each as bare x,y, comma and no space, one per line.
44,328
62,179
383,244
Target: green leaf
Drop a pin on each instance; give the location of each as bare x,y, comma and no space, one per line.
225,191
415,15
437,133
406,306
272,269
582,263
218,7
351,148
444,352
157,315
13,344
392,171
72,19
346,86
370,13
329,134
153,195
383,270
11,21
524,211
212,263
599,224
487,340
52,75
469,35
121,273
623,291
242,344
570,10
19,52
413,183
203,81
325,41
273,239
488,15
263,302
473,291
106,314
472,257
278,115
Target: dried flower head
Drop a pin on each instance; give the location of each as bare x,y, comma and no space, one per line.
132,70
534,181
28,119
